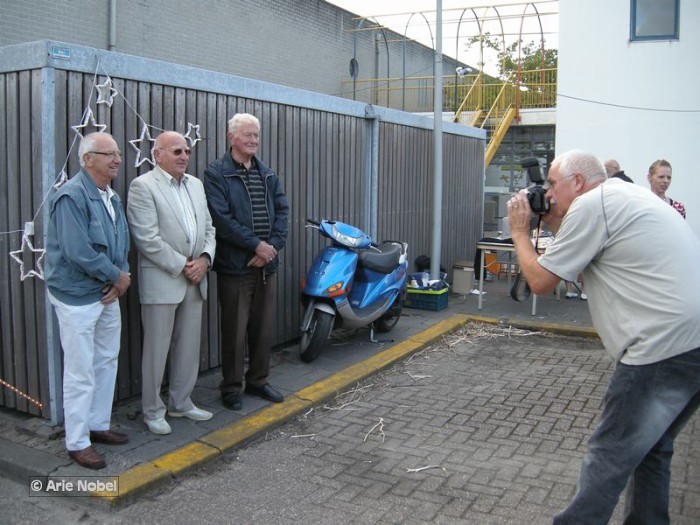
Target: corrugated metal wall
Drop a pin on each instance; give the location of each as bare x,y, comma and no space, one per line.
322,157
406,191
22,313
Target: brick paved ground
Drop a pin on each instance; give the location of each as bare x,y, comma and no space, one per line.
482,430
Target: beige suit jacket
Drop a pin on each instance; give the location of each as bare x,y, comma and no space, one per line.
160,236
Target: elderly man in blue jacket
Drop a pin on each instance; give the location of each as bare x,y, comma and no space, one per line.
86,271
249,211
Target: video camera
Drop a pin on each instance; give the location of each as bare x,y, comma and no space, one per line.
536,193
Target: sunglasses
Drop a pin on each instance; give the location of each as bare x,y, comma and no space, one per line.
179,151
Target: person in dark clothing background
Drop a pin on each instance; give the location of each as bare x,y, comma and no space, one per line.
249,211
612,168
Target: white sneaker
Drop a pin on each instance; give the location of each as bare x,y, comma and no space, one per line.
476,291
571,295
158,426
194,413
583,297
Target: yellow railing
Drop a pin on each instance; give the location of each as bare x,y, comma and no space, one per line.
539,89
473,99
468,93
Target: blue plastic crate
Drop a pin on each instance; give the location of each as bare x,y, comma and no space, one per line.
435,300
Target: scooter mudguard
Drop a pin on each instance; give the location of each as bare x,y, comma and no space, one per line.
371,286
332,270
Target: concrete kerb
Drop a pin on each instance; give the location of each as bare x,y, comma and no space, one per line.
555,328
160,471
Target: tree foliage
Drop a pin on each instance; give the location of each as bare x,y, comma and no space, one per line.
532,56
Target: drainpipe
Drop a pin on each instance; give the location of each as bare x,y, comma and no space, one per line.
112,25
48,170
437,136
372,171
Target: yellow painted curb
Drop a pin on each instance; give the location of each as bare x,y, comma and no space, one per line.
183,458
140,478
247,428
556,328
134,481
436,331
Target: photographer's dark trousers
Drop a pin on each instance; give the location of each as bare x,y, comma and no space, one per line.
644,409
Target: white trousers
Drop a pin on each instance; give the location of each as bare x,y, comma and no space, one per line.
90,336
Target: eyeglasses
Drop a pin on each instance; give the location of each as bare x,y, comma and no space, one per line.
107,153
178,151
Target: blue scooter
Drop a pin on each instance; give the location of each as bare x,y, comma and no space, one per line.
352,283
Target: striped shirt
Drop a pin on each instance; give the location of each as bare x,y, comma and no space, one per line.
256,190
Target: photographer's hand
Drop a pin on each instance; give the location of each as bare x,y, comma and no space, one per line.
519,214
540,280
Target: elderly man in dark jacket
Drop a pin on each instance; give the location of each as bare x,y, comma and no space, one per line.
249,211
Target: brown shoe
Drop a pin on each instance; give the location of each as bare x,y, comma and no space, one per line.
108,437
88,458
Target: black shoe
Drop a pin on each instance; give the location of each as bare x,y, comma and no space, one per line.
232,400
265,391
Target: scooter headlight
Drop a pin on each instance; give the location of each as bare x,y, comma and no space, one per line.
347,240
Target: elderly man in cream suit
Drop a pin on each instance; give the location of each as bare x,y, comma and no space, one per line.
172,230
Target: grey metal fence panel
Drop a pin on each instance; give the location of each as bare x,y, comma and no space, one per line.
22,316
406,191
318,145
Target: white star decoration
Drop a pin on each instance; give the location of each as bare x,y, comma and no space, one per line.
88,121
106,93
18,255
145,135
197,135
61,180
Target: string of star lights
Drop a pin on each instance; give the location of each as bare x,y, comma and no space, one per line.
17,391
105,94
31,259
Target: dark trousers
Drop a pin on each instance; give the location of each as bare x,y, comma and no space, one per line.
247,306
645,407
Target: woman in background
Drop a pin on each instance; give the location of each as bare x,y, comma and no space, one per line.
659,178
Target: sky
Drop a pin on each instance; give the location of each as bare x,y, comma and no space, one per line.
397,15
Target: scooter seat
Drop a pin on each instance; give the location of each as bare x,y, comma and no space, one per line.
383,261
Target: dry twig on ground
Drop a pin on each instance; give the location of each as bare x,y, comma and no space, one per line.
381,430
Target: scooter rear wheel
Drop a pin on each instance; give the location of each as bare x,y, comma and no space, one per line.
313,341
388,321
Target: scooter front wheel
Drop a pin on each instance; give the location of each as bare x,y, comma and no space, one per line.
313,341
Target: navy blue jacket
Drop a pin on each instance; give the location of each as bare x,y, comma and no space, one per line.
232,214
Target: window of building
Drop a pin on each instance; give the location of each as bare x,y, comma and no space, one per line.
654,20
